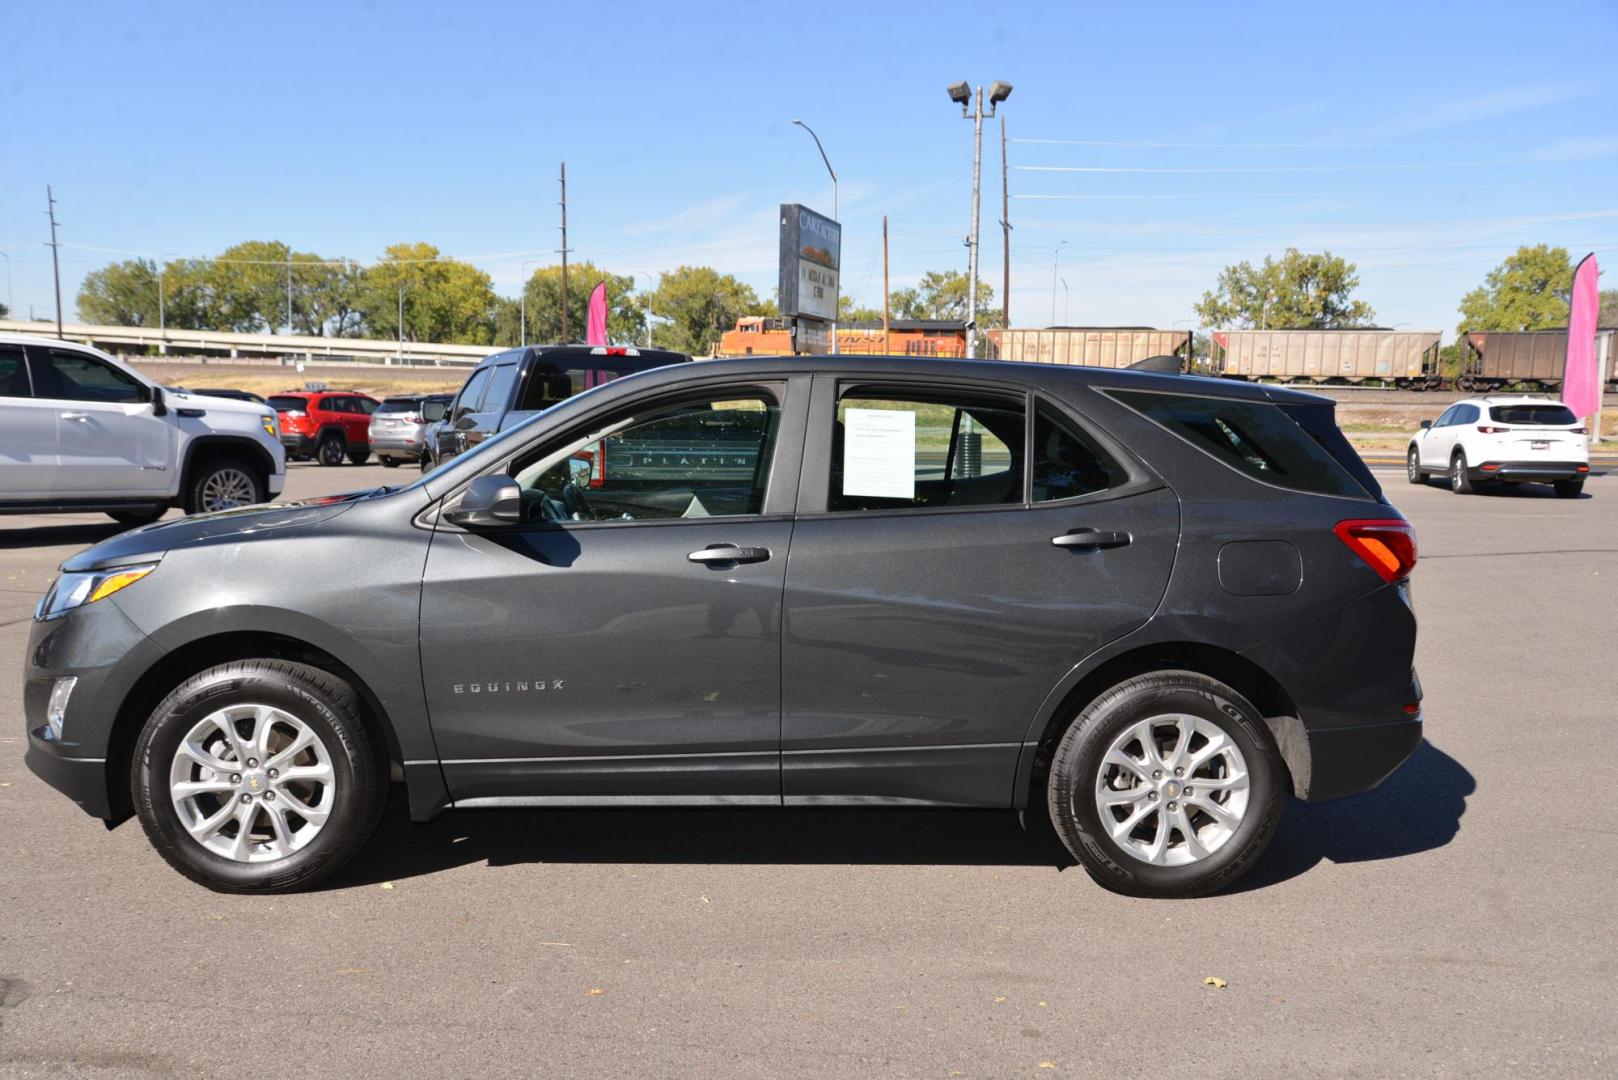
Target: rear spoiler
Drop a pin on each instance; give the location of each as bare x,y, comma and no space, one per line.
1162,365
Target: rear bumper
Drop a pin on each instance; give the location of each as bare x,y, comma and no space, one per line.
1542,471
298,445
396,446
1349,760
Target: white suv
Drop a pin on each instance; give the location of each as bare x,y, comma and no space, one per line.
1509,440
79,431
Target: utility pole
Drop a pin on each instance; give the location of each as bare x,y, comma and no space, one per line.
564,254
401,322
289,290
886,347
56,268
1005,231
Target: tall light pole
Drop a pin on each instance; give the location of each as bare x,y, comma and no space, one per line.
11,304
962,94
1056,258
837,301
401,320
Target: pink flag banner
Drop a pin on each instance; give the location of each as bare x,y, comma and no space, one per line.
1581,380
597,334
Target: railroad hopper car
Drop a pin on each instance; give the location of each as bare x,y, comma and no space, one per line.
1528,359
1089,346
1402,358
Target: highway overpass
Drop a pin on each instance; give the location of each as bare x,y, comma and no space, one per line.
149,341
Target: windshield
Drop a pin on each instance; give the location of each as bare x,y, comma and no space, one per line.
287,403
1532,414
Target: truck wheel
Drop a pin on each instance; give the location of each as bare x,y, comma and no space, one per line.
259,776
223,484
134,519
1166,785
1459,482
332,448
1569,489
359,457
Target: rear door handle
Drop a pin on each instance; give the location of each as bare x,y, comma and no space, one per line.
79,416
729,553
1090,539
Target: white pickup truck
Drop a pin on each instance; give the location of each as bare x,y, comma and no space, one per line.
79,431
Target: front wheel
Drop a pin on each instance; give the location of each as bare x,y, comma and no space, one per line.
223,484
1167,785
258,776
1569,489
1413,471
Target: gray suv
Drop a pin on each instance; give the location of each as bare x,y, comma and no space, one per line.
1150,605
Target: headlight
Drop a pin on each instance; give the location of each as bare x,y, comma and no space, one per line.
74,590
270,429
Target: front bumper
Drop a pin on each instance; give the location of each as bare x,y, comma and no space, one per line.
1540,471
82,779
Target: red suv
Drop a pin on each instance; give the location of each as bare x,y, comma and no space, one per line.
327,425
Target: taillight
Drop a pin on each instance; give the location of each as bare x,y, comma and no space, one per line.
1580,430
1487,430
1388,545
598,470
414,420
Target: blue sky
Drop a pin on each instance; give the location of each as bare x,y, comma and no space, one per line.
1159,141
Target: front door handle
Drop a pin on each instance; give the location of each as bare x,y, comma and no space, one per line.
78,416
729,553
1090,539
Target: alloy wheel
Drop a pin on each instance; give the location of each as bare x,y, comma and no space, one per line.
1172,789
252,783
227,489
332,452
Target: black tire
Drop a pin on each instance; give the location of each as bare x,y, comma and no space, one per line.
134,519
1077,765
426,463
388,462
332,448
1569,489
359,457
320,700
1413,471
1459,482
223,483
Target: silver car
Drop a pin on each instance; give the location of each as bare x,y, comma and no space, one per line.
399,426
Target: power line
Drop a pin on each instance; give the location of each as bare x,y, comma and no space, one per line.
1156,145
1247,169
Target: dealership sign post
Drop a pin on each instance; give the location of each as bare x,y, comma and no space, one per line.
811,257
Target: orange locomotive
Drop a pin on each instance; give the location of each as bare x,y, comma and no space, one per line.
758,335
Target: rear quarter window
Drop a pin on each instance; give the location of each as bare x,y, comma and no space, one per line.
1256,438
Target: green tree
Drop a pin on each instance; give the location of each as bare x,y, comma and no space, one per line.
325,296
248,287
1297,292
626,318
1529,291
120,294
698,303
443,299
1609,308
942,295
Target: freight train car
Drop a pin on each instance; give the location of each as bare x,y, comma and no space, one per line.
1528,359
1406,359
756,335
1090,346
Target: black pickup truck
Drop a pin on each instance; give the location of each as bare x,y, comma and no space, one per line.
507,388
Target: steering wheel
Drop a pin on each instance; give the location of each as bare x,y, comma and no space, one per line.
577,505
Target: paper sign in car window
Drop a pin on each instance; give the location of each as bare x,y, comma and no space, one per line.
879,453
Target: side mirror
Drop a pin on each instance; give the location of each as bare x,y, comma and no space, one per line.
488,502
432,410
159,408
1425,424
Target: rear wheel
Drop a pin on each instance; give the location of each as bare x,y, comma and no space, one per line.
258,776
223,484
388,462
331,449
359,457
1167,785
1569,489
1459,482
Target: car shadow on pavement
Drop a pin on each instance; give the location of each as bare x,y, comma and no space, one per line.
1417,809
77,535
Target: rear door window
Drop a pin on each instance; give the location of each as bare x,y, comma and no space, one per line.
925,451
1257,438
13,372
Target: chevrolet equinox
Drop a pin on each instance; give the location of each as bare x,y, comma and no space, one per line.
1151,605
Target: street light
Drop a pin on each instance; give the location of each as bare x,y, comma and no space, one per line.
11,303
836,300
1064,301
961,94
1056,258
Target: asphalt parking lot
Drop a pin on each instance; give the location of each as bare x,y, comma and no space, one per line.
1460,920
